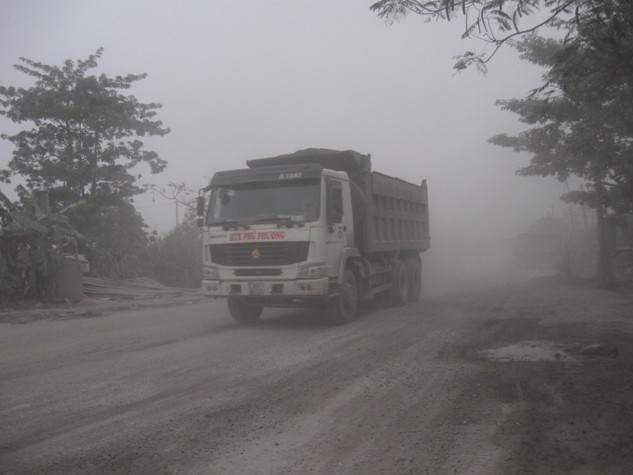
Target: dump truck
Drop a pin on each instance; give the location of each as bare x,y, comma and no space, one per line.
315,228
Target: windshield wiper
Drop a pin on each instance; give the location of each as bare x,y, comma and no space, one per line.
229,224
289,222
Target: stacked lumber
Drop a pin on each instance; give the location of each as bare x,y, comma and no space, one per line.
136,289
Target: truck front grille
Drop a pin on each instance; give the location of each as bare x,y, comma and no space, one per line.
259,254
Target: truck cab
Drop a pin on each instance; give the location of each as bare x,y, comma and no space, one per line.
276,236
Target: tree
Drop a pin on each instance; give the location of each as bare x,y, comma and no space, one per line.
84,138
580,114
580,119
495,22
114,236
180,194
176,258
84,144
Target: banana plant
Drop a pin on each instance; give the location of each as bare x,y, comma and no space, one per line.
33,240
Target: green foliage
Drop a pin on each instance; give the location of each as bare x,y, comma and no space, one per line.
33,239
581,125
115,240
82,143
176,258
83,139
495,22
82,147
580,116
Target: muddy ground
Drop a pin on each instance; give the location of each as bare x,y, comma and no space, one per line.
563,398
512,377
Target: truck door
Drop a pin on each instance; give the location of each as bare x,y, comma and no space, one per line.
338,224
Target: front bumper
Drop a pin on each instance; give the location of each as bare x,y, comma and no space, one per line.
259,288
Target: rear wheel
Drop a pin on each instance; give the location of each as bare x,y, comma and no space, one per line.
242,312
415,279
343,307
399,292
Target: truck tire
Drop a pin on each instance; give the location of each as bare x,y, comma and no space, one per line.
399,292
415,279
242,312
343,308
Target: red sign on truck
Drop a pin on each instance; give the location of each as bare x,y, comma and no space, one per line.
257,236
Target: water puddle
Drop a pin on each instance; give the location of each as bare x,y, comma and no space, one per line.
529,351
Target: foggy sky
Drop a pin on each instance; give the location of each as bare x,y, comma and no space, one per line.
251,79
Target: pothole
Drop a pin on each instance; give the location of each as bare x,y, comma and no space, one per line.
529,350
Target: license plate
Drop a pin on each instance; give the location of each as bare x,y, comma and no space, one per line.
256,288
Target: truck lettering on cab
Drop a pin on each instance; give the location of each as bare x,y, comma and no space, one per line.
270,235
257,236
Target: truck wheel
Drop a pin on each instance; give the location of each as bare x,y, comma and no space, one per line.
242,312
399,292
344,306
415,279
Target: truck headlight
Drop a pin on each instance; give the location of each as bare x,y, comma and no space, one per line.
313,272
210,273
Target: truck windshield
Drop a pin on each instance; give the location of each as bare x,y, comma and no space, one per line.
292,201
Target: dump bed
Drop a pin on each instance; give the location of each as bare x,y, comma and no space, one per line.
397,215
390,214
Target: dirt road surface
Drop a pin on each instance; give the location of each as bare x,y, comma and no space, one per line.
510,378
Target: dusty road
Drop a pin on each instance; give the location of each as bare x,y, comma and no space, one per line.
409,390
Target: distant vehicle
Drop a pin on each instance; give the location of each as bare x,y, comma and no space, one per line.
315,228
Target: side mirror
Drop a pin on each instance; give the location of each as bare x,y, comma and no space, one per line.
200,211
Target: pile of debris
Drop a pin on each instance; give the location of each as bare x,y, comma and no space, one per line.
132,289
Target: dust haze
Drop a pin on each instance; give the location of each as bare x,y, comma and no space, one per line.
241,80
